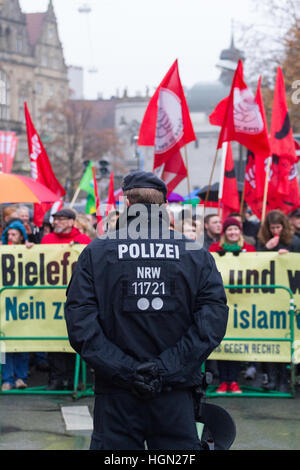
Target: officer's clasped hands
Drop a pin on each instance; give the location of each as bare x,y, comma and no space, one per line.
147,382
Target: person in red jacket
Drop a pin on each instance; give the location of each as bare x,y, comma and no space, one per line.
62,365
64,230
231,241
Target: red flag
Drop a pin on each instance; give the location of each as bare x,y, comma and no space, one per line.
174,171
167,126
97,200
242,121
111,203
230,195
8,147
250,185
282,139
216,118
261,157
41,169
297,147
283,190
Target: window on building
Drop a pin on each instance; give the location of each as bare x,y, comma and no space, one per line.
39,88
51,91
4,96
19,45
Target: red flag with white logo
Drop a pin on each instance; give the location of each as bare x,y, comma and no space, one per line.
243,121
41,169
167,127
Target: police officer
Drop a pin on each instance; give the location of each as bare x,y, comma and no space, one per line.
145,310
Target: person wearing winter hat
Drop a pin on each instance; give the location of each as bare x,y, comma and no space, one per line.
15,369
231,241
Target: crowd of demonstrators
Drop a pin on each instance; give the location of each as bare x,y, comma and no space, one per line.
237,234
62,365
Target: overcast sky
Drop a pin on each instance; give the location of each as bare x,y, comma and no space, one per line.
133,43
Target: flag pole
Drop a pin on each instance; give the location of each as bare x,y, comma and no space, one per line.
266,189
75,197
188,174
242,200
210,179
220,194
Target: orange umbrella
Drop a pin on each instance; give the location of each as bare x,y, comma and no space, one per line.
18,188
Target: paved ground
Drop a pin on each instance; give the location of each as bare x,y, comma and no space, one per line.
46,422
37,423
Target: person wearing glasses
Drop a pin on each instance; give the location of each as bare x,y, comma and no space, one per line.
62,364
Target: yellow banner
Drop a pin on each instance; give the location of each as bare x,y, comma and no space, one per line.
259,326
32,298
260,319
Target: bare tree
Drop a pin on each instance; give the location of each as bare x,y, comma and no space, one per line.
272,41
76,136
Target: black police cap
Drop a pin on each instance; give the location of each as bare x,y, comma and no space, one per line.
68,213
143,179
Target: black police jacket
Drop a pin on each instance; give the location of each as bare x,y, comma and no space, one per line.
143,293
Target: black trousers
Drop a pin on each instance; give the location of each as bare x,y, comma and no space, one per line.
124,422
62,366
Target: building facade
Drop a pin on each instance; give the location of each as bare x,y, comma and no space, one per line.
32,69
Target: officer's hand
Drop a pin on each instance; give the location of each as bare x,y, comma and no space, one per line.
147,382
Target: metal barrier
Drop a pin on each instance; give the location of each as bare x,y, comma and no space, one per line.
87,389
84,390
260,391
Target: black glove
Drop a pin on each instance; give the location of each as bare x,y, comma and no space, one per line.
147,382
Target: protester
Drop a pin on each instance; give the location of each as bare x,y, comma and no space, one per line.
93,219
189,229
111,220
186,226
33,232
9,212
146,346
46,228
231,241
84,225
198,226
276,234
62,365
15,368
250,236
294,218
212,229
